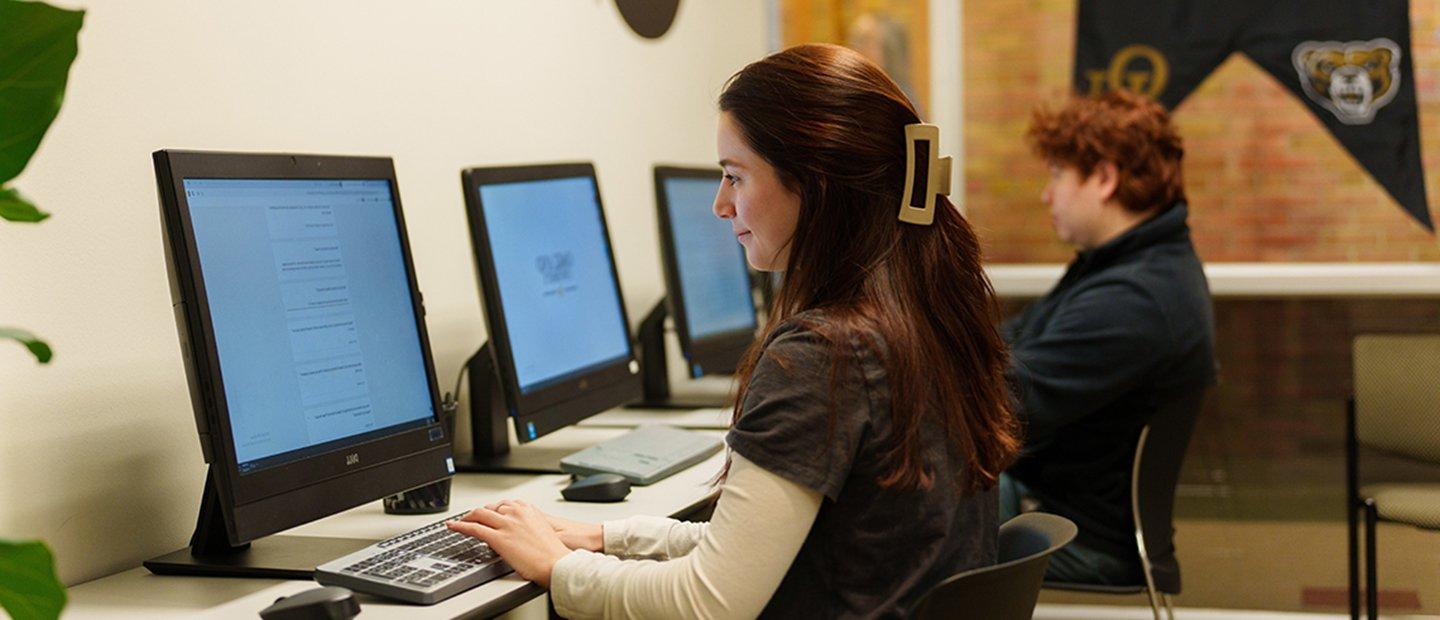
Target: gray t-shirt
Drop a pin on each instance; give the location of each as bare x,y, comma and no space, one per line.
872,552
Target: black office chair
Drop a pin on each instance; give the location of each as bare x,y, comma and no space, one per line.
1158,456
1008,590
1393,410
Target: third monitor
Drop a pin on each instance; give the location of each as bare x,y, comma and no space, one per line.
708,289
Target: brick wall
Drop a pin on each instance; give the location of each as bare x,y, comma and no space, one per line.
1266,181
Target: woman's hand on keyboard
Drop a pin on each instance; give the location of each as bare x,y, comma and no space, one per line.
575,534
578,535
520,533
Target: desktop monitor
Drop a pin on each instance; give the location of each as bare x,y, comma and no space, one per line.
559,347
305,349
708,291
707,280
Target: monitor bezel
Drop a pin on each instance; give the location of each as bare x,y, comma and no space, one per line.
718,353
555,402
317,485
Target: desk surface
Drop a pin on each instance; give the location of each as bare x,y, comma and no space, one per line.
709,419
137,593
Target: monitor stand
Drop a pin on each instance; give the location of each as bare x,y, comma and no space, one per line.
210,553
521,460
490,441
655,376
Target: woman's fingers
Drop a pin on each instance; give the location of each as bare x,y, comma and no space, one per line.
496,506
520,533
494,514
484,516
474,530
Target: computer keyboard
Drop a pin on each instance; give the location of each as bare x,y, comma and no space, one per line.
644,455
425,566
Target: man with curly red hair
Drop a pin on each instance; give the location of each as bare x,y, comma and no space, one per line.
1127,330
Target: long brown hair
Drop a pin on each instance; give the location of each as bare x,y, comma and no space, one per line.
833,126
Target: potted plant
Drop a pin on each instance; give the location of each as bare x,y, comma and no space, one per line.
37,47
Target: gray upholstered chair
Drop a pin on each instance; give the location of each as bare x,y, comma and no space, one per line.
1395,409
1159,454
1008,590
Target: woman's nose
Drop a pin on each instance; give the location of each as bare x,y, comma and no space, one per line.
723,207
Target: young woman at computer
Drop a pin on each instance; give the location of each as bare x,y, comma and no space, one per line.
873,419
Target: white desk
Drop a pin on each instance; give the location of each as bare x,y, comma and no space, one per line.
706,419
137,593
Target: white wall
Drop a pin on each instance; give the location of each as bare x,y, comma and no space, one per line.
98,454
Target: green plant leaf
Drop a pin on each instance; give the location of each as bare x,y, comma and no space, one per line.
16,208
28,585
37,47
37,347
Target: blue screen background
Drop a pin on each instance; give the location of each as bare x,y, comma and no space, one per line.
714,280
311,308
562,305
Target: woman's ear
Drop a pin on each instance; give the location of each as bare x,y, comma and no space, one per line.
1107,175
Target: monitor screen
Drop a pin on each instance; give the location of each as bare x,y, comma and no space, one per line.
714,279
562,305
313,320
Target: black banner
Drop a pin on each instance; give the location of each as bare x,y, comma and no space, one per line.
1348,60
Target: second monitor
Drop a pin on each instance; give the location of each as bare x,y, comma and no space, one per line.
559,347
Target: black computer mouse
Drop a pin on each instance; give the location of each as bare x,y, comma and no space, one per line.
597,488
328,603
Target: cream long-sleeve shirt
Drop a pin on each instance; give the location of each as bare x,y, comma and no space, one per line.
661,568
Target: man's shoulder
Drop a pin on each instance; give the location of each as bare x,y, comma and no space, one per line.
1164,285
1164,271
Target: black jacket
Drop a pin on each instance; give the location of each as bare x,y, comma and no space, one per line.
1128,326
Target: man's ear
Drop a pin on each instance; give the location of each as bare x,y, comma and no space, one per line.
1107,176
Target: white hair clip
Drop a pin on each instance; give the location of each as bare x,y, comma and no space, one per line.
925,174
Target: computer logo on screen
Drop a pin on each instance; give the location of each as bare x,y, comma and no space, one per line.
649,18
557,273
555,267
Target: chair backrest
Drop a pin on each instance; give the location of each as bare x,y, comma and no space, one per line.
1158,456
1397,389
1008,590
